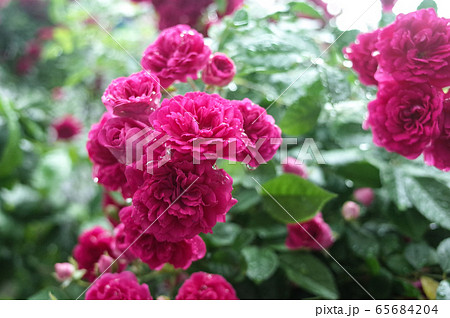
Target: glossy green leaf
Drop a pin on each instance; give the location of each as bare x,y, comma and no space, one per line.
289,198
261,263
443,252
309,273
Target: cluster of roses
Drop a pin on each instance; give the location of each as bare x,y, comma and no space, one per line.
190,12
409,61
177,192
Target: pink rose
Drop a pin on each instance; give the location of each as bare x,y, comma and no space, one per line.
135,96
64,271
207,125
206,201
404,118
204,286
178,53
264,137
115,133
173,12
364,196
91,245
416,48
121,246
438,153
350,210
219,71
155,253
300,236
388,5
122,286
67,127
293,166
362,55
112,176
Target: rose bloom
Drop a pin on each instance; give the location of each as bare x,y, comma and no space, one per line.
182,199
91,245
204,286
438,153
415,48
219,71
300,236
178,53
293,166
115,133
404,118
388,5
107,170
155,253
361,53
173,12
67,127
122,286
207,125
135,96
264,137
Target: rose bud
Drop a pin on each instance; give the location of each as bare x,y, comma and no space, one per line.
64,271
350,210
291,165
364,196
219,71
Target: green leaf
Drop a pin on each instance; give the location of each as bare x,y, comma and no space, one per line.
431,198
443,253
261,263
363,174
304,9
362,242
428,4
419,255
301,117
309,273
11,155
443,291
224,234
240,18
394,182
299,197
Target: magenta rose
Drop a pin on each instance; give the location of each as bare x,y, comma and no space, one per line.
404,118
388,5
361,53
263,136
204,286
313,234
91,245
415,48
206,201
207,126
438,153
291,165
155,253
122,286
135,96
67,127
115,133
219,71
178,53
173,12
